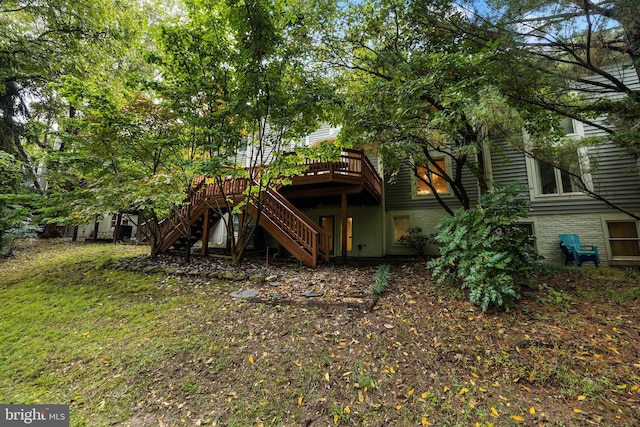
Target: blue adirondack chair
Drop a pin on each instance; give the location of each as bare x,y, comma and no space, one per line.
575,251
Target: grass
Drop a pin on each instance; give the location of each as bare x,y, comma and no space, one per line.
131,349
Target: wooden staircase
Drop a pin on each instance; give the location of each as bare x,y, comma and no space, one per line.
296,232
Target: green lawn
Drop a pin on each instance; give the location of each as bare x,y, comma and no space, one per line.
126,348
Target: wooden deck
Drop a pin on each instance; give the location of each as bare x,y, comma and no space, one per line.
351,174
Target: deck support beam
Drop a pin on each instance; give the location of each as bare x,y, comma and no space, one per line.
205,231
343,228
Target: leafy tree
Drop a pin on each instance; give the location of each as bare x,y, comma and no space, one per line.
413,89
236,72
45,45
128,156
10,214
578,59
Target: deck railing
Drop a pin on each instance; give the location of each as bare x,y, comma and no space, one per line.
351,163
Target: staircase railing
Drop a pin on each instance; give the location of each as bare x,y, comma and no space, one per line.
301,229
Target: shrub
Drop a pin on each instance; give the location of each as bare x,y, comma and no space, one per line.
416,240
382,280
484,251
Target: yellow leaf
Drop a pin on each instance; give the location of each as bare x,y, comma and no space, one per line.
484,390
494,412
532,410
581,398
463,390
360,397
398,407
577,411
474,375
335,419
621,386
517,417
347,409
424,395
393,371
326,376
425,422
251,359
446,389
410,392
634,388
300,401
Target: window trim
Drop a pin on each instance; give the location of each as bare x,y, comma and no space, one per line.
533,170
394,242
607,238
414,181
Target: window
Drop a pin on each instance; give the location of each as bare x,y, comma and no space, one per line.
401,225
567,126
430,173
547,180
527,227
624,239
552,180
114,221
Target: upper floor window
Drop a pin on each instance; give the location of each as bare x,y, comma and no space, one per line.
431,174
551,180
568,180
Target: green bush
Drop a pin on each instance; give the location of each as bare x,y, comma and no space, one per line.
482,249
416,240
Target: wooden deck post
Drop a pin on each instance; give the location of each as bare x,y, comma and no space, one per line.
205,232
343,220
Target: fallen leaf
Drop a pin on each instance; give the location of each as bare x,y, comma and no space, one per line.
425,422
494,412
463,390
410,392
532,410
251,359
347,409
581,398
517,417
398,407
299,400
